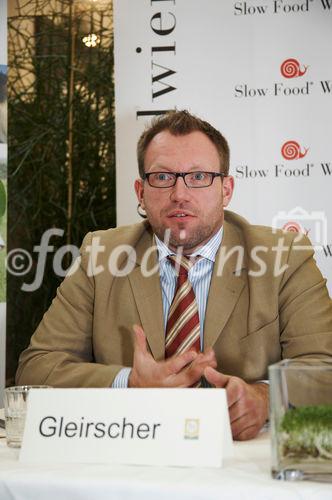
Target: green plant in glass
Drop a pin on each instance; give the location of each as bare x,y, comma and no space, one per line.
306,432
301,419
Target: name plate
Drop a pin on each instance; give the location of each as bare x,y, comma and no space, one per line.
181,427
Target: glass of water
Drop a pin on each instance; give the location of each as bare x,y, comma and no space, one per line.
15,412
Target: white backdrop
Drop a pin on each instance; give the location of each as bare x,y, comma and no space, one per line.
261,72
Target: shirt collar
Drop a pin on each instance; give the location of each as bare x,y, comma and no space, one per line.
207,251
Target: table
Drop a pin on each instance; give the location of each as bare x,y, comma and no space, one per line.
246,477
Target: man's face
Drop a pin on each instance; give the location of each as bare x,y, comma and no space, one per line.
193,215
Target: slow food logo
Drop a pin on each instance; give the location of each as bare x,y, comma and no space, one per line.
291,68
292,150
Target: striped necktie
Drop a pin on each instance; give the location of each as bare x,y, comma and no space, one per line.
183,328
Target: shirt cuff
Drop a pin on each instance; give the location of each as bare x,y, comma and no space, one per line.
122,379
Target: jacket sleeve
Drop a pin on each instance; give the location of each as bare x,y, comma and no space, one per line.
60,353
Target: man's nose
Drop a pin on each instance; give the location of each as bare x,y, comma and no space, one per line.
180,191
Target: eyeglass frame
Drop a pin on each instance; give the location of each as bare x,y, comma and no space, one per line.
183,175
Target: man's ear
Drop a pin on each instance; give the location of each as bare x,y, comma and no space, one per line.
228,188
139,190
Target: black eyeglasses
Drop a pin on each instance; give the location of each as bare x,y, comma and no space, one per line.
195,179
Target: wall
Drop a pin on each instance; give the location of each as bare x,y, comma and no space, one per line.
262,74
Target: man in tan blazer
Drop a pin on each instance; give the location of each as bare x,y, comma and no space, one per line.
266,299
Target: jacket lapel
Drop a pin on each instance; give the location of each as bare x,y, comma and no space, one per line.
147,293
226,286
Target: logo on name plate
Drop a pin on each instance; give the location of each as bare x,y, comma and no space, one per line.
191,428
291,150
291,68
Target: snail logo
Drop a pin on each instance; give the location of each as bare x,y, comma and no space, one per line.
292,226
291,69
291,150
298,221
295,227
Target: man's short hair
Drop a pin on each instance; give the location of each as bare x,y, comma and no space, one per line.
182,123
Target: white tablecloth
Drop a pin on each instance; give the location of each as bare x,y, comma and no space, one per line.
247,477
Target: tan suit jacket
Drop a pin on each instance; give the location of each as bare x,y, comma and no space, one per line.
86,336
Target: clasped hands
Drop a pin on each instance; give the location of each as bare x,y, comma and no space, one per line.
248,404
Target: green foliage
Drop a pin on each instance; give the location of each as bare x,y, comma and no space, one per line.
40,148
299,419
306,431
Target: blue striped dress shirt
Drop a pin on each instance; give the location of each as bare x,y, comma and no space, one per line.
199,276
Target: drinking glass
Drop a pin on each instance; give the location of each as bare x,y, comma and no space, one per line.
301,419
15,411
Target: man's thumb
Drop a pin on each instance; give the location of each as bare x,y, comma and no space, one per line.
216,378
140,339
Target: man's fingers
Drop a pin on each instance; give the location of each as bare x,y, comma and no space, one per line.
143,362
196,368
237,411
247,403
246,427
140,339
248,409
192,358
209,358
177,363
216,378
235,391
245,433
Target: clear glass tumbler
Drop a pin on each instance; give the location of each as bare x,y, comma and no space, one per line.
15,412
301,419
